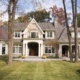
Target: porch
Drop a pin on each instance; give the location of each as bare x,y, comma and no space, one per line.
64,50
39,59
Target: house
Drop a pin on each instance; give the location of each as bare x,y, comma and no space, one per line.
36,39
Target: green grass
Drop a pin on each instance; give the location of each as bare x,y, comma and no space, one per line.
52,70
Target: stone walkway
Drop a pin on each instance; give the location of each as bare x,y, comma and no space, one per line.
37,59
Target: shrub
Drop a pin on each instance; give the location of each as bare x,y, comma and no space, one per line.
52,57
17,57
4,58
44,56
23,56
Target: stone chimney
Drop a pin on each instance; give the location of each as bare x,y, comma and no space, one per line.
56,23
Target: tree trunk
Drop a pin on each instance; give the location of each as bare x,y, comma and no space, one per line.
68,32
76,33
11,16
74,11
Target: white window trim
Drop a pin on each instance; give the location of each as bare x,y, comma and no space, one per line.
17,46
46,33
35,32
51,49
18,37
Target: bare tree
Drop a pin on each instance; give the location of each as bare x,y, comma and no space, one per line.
11,17
68,32
74,11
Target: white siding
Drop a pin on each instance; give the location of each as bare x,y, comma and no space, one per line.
0,48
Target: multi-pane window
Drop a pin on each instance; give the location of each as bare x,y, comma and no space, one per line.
49,49
17,34
49,34
17,49
34,34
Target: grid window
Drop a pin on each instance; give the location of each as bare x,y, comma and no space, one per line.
34,34
17,49
49,34
49,49
17,35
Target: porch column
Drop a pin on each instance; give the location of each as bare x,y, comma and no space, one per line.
27,50
68,52
24,49
39,50
60,51
6,49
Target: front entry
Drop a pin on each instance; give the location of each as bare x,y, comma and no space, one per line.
33,49
65,50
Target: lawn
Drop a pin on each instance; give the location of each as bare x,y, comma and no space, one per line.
50,70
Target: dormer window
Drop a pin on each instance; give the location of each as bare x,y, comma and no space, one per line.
49,34
17,35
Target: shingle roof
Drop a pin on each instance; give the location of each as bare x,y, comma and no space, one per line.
46,26
20,26
3,33
60,32
43,26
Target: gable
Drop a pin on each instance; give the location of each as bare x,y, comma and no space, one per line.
33,26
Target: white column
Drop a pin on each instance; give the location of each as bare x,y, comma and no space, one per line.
39,50
68,52
6,49
42,50
27,50
60,51
0,48
24,50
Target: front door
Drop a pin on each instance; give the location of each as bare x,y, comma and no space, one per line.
65,50
31,52
33,49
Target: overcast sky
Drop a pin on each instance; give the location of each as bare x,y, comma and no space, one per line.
27,6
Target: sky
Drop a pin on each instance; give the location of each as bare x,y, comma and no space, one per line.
25,6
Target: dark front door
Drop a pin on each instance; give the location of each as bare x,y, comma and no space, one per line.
33,49
32,52
65,50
